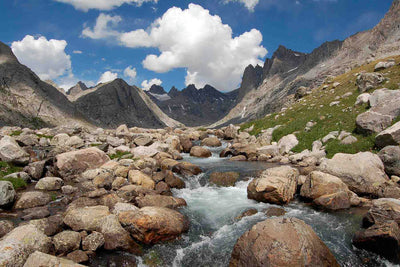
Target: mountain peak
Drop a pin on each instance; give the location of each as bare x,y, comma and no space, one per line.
6,54
156,89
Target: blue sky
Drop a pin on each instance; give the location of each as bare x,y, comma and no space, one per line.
208,41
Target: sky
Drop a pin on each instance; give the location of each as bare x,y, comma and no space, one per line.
171,43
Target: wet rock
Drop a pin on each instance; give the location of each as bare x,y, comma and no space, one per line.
154,224
211,141
35,213
41,259
168,164
186,144
382,210
238,158
274,211
224,178
383,239
368,81
200,152
85,218
275,185
389,137
11,152
139,178
78,256
363,172
246,213
390,157
162,188
281,242
173,181
186,168
230,132
227,152
160,201
32,199
76,162
49,184
116,237
5,227
7,195
35,169
17,245
93,242
66,242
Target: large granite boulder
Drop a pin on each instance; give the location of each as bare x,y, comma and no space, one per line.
389,137
66,241
11,152
154,224
224,178
32,199
383,239
382,210
49,183
85,218
281,242
211,141
160,201
42,259
200,152
368,81
390,157
76,162
363,172
327,191
276,185
287,143
140,178
17,245
7,194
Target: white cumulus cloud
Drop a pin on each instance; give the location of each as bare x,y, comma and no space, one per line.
102,27
85,5
147,84
107,76
199,42
130,72
47,58
249,4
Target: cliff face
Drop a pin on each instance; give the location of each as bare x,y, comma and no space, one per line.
27,101
287,70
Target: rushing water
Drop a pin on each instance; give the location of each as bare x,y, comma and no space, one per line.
214,230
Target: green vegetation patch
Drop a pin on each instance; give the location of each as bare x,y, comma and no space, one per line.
120,154
317,107
6,169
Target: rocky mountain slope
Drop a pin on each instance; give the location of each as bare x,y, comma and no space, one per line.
193,106
76,90
28,101
116,102
288,70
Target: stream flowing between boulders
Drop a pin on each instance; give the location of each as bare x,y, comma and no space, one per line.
214,227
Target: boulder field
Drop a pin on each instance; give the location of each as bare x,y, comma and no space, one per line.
113,190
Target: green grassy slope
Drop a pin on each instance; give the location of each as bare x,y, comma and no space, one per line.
315,107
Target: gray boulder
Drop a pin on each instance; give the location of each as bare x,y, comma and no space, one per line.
17,245
7,194
390,157
362,172
49,183
368,81
42,259
286,143
66,241
389,137
32,199
384,65
281,242
11,152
